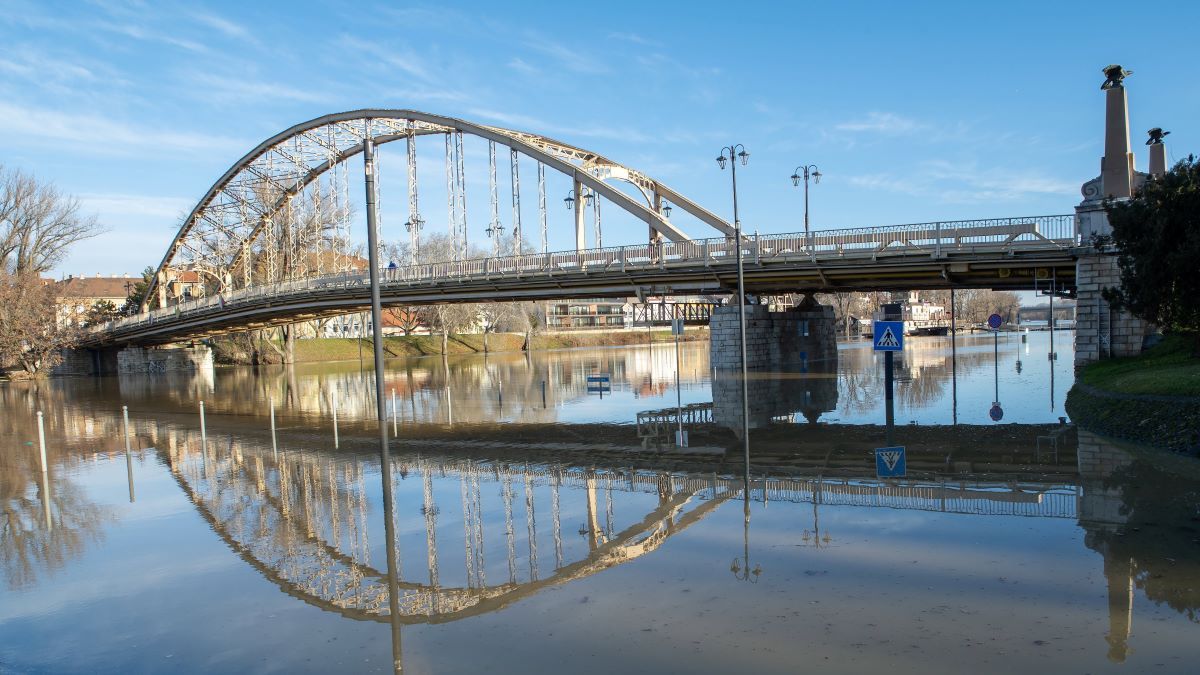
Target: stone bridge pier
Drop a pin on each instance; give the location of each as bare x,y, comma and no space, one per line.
791,358
136,360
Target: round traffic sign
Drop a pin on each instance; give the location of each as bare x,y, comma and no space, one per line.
996,413
994,322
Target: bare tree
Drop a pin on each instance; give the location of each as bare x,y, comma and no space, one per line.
31,336
38,224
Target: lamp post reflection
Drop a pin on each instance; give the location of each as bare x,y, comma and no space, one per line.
740,567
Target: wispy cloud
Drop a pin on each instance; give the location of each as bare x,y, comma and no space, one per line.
632,38
564,133
522,66
95,134
225,88
229,29
881,123
966,183
567,57
396,57
119,208
140,32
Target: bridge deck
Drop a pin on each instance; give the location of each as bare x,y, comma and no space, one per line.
999,253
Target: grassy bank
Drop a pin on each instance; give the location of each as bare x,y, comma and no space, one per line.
1153,398
321,350
1167,369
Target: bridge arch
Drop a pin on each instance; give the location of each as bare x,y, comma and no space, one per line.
220,229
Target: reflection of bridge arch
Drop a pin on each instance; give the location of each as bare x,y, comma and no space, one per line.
223,226
276,531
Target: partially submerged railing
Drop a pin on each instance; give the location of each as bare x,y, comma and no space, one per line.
934,239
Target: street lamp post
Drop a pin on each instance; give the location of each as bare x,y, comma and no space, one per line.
803,173
732,154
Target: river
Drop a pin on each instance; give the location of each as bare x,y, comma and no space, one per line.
534,525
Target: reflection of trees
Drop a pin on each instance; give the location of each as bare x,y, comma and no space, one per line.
28,544
1160,534
922,373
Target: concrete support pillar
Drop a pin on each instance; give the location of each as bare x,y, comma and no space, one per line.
142,360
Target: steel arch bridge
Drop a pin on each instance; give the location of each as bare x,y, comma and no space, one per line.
271,241
245,223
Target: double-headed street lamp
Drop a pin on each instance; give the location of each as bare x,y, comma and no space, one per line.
732,154
804,173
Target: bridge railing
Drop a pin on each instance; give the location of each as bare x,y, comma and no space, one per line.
935,239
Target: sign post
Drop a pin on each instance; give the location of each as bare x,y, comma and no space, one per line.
994,321
889,339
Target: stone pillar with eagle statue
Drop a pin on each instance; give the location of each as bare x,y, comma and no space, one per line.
1102,331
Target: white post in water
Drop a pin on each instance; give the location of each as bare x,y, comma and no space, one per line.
203,430
395,414
128,457
42,439
274,442
333,404
125,421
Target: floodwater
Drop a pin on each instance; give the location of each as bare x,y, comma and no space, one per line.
571,534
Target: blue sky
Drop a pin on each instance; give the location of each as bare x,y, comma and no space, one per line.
913,112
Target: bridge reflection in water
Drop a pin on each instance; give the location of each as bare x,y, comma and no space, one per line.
484,517
305,518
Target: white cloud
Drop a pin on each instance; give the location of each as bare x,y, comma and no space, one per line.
403,59
224,26
92,133
118,208
567,57
523,66
632,37
966,183
881,123
237,89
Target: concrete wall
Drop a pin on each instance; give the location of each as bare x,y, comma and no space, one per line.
172,360
787,340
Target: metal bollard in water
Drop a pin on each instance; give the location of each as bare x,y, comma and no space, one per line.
274,442
333,403
203,429
125,419
42,439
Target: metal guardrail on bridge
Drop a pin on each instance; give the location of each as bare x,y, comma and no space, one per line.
936,240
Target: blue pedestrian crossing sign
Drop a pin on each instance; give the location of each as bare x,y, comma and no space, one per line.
889,462
889,336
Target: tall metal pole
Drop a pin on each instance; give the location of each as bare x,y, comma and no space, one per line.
741,303
953,357
373,258
806,203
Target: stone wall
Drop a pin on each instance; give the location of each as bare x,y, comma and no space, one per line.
170,360
1100,331
786,340
83,362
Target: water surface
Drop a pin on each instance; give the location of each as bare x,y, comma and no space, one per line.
574,535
